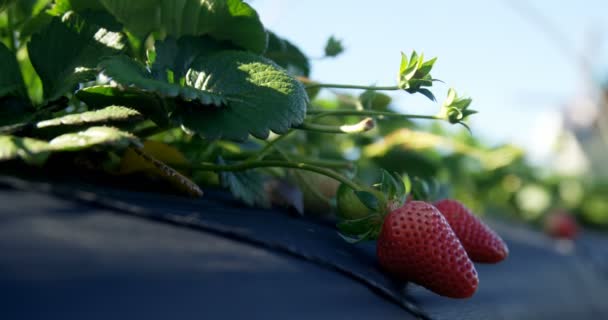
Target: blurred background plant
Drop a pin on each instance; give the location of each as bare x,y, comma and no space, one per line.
540,144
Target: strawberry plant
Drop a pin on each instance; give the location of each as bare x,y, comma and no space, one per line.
194,94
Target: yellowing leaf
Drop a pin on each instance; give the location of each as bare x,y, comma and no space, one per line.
132,162
177,181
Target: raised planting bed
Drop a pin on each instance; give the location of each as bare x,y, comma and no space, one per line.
83,252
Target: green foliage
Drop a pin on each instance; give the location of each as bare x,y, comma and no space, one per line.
67,52
349,206
94,137
105,116
4,4
205,79
129,72
333,47
456,109
260,97
11,81
247,186
148,104
175,56
229,20
414,74
375,100
361,229
30,150
36,151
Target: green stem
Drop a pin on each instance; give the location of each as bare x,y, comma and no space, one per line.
247,165
327,163
268,148
151,131
351,86
301,179
324,113
360,127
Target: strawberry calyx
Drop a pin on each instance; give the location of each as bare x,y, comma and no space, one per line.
362,212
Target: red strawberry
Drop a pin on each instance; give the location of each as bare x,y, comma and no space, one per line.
482,243
417,244
560,224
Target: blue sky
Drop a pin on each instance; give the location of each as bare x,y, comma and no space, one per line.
517,76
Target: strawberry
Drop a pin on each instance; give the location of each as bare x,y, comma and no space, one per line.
560,224
481,243
417,244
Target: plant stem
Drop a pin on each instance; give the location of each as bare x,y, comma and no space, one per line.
268,148
327,163
360,127
351,86
246,165
151,131
301,179
323,113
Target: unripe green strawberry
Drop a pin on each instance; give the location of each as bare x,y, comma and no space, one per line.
480,241
349,206
417,244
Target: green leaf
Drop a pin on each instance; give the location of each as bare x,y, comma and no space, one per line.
108,115
177,55
62,6
66,53
348,204
420,189
11,82
229,20
401,190
451,96
456,109
4,4
94,137
146,103
30,150
407,183
92,11
394,188
426,67
427,93
333,47
102,19
260,97
34,24
369,200
247,186
404,64
413,60
375,100
36,152
24,9
415,75
129,72
356,239
387,185
287,55
366,226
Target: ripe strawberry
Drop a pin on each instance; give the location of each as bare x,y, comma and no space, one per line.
482,243
417,244
560,224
